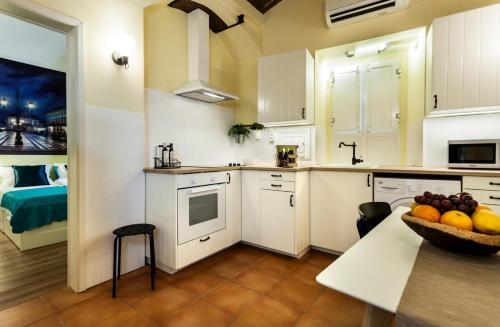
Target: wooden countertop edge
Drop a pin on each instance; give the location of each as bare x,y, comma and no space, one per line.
394,170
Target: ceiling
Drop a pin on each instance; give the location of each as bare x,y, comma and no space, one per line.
264,5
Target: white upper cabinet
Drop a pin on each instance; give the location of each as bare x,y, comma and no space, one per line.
346,101
286,89
466,60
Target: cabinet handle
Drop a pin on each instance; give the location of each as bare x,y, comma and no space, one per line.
435,101
291,200
303,113
494,197
495,184
276,185
204,239
368,180
228,178
273,175
332,121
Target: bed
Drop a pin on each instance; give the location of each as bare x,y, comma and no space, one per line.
33,217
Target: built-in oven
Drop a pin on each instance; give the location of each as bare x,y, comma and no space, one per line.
484,154
201,206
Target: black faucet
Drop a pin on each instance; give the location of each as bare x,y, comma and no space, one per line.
354,159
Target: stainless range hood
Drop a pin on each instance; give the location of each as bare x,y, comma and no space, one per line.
198,87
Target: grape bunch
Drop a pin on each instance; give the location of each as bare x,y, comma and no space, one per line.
461,201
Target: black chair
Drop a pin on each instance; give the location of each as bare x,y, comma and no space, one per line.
371,214
131,230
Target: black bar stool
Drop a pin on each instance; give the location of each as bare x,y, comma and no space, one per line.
131,230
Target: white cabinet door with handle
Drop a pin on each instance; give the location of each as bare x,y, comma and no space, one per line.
278,220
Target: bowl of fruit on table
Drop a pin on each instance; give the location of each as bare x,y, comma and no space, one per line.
456,222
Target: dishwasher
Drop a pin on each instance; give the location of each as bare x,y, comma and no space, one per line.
400,190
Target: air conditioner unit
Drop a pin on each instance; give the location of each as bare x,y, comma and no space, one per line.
342,12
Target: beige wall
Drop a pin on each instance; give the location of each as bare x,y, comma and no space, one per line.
166,66
106,84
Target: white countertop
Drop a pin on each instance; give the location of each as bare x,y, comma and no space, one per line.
375,269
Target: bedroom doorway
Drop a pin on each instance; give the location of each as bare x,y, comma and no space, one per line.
39,131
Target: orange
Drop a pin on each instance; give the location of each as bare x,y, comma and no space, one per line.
457,219
427,212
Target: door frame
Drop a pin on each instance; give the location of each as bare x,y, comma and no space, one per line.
73,28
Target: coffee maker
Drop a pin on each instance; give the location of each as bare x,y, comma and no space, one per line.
165,157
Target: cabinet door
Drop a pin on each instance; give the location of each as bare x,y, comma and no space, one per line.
286,88
335,197
346,101
278,220
250,206
233,207
439,63
382,99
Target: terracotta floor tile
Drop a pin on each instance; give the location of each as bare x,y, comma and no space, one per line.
199,314
25,313
248,254
278,263
267,312
164,304
50,321
143,271
320,259
231,298
126,318
258,279
89,312
333,309
296,294
134,290
229,267
182,274
201,283
66,297
306,273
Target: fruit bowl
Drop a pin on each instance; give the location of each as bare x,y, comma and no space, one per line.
453,238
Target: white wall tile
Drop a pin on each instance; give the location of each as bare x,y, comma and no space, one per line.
114,188
438,130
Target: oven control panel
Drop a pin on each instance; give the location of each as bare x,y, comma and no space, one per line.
200,179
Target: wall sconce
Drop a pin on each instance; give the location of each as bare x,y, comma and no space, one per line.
123,47
119,59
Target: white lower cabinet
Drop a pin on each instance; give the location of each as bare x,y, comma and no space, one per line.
485,190
335,197
275,210
277,225
250,206
233,207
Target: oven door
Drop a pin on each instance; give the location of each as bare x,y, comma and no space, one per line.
201,211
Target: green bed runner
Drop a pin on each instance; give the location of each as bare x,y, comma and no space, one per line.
36,207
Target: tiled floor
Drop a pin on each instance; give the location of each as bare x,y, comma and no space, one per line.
242,286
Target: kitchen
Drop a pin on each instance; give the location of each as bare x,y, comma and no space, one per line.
262,128
350,132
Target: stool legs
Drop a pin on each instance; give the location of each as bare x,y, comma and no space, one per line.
153,262
119,257
115,244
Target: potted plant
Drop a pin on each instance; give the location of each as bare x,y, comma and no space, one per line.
257,130
239,131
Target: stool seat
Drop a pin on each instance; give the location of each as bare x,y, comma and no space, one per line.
135,229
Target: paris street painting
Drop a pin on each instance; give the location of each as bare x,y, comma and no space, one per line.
32,109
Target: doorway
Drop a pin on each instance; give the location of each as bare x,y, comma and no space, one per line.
54,128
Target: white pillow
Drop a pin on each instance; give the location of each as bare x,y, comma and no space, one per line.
61,182
7,177
61,171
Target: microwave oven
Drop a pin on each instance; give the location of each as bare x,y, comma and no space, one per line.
482,154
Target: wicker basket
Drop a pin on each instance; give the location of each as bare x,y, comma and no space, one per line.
452,238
